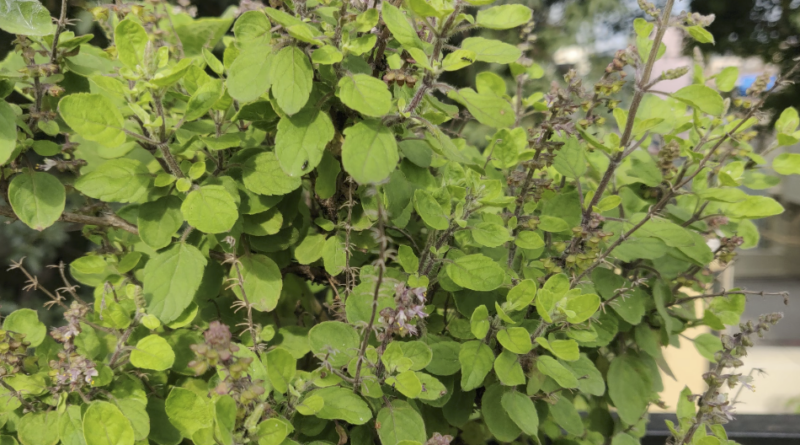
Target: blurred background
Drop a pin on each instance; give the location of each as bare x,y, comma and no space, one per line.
754,35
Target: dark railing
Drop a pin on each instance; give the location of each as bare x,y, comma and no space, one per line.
747,429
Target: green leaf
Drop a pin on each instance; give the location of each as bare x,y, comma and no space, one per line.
500,423
590,381
480,322
437,8
159,220
8,131
445,358
490,234
685,407
310,249
563,349
301,140
624,439
400,422
582,306
334,256
670,233
337,341
212,61
26,321
326,55
504,17
369,152
419,353
609,203
136,413
754,207
699,253
642,27
570,160
187,411
506,145
552,224
401,30
408,259
171,75
25,17
327,175
37,198
516,340
264,223
529,240
281,367
262,281
117,180
787,164
662,294
508,368
203,99
94,117
249,76
567,417
430,210
702,98
365,94
407,383
630,305
130,39
210,209
171,280
272,432
291,74
104,424
458,59
550,367
204,32
89,264
491,51
788,121
310,405
41,428
262,174
521,410
476,359
557,284
70,426
700,34
726,79
162,431
343,404
252,29
488,109
521,295
153,352
629,386
708,345
296,28
476,272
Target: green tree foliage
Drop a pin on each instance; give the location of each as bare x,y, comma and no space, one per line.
757,28
295,244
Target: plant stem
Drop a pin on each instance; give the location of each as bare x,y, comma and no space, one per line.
62,21
634,108
109,220
381,263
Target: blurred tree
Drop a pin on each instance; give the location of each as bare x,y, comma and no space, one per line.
769,29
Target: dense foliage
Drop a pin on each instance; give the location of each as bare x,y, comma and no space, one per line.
758,28
296,243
